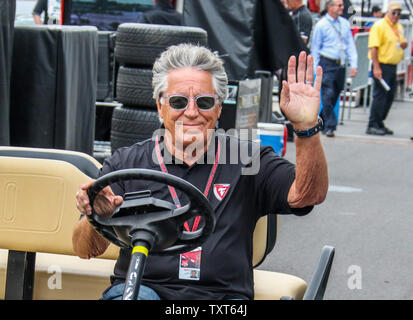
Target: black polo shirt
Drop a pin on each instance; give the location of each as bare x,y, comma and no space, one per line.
304,21
163,13
226,260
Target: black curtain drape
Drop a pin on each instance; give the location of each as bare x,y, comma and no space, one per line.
7,14
251,34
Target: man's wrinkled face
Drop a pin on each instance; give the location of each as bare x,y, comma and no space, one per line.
190,124
393,15
337,7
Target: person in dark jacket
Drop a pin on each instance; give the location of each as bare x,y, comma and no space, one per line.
163,13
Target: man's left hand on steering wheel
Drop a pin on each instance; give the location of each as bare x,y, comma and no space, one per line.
105,202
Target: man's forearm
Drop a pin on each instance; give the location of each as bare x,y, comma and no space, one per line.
311,181
375,57
87,243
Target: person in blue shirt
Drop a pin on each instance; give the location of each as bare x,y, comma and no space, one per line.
332,47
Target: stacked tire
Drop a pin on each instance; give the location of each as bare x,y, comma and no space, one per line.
136,49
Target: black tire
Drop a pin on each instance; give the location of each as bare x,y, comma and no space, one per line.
131,125
134,87
140,44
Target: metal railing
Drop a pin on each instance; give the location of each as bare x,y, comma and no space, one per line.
361,81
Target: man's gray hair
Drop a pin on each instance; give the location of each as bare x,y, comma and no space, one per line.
328,3
189,56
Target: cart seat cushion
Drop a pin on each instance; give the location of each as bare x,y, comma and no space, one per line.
273,286
260,241
66,277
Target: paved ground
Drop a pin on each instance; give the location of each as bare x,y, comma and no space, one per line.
367,217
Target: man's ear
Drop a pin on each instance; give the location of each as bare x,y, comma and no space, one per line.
219,110
159,107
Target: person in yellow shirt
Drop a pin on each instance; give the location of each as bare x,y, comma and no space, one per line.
386,44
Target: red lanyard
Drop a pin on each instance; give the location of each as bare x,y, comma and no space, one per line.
395,31
172,190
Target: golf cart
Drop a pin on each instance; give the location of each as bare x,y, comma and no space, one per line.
39,213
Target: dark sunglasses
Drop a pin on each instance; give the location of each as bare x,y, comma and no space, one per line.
180,101
396,13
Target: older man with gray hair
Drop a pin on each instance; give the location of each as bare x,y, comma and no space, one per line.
190,85
386,44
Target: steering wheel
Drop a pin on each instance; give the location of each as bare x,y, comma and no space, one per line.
158,223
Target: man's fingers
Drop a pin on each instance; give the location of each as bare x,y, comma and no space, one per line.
82,202
107,191
104,204
302,61
117,201
82,198
87,185
309,77
377,74
353,73
318,78
304,71
291,71
285,94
